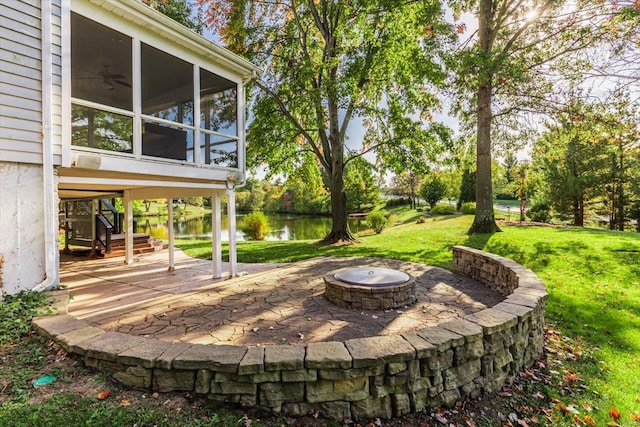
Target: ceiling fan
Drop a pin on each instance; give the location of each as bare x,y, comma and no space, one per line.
109,79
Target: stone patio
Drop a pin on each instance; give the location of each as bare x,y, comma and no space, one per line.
267,305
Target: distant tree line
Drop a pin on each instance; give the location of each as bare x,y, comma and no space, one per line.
305,190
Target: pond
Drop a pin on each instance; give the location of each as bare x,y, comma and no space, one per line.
281,227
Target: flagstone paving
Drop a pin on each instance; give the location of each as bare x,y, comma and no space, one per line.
269,304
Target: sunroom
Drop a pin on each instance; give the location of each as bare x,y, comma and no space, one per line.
149,110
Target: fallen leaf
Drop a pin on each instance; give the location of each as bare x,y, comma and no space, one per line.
439,418
635,417
104,394
571,376
587,407
588,420
613,413
125,403
613,424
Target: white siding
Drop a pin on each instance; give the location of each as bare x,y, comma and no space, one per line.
21,81
56,97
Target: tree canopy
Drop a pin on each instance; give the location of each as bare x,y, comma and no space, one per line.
331,65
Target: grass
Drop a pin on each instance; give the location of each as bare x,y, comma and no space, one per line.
592,371
71,400
593,278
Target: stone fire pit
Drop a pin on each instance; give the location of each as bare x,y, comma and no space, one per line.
370,288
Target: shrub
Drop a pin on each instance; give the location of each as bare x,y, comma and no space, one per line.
377,221
468,208
506,196
255,226
397,201
539,211
443,209
432,190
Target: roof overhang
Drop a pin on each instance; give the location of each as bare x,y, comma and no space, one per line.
156,22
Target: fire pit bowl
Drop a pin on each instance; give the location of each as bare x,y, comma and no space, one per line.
370,288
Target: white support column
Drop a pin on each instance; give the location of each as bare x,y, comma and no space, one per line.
94,237
172,261
231,213
216,234
128,227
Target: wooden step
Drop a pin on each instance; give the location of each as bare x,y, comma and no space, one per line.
142,243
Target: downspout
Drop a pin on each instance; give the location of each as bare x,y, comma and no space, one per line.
50,204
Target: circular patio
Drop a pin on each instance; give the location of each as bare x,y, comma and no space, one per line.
277,305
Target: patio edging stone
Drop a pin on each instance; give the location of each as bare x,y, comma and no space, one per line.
359,379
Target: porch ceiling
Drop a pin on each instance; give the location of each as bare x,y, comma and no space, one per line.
79,183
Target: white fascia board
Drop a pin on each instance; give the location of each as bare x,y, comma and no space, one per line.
90,183
167,28
147,166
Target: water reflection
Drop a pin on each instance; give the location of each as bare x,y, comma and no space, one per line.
282,227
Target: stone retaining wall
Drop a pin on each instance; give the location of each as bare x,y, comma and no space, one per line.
363,378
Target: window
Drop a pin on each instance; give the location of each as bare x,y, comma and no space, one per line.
101,129
218,115
101,63
103,86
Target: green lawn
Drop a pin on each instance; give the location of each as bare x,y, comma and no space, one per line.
593,278
591,374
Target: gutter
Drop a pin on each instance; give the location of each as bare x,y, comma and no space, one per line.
50,203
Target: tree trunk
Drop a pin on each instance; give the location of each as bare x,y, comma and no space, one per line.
484,220
578,213
621,198
340,225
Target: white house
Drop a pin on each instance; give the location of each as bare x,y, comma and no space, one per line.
109,98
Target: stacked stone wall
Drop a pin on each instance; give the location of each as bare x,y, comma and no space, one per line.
382,376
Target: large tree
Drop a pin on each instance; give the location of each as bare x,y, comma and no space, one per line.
330,66
517,63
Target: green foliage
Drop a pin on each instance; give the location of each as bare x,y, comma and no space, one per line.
16,313
397,201
539,210
180,11
360,186
377,221
443,209
433,189
468,208
255,226
467,188
329,63
505,196
586,162
406,185
305,188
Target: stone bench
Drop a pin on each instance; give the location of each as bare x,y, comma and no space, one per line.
359,379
